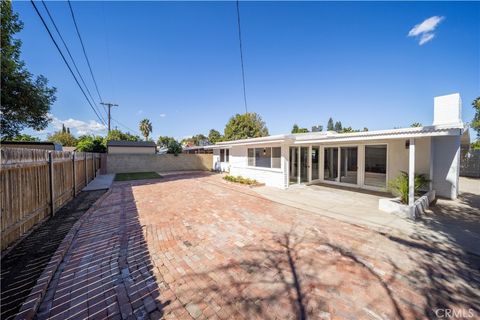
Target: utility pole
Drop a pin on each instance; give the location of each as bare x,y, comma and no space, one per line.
109,105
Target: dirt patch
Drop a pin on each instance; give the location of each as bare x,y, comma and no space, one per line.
22,266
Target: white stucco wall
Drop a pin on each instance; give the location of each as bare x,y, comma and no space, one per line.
269,176
446,166
398,157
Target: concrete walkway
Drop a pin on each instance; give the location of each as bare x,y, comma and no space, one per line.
342,204
101,182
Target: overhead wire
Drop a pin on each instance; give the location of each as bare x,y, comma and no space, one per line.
65,60
71,57
241,56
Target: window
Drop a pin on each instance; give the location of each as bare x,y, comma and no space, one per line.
264,157
251,157
222,155
376,166
276,157
227,155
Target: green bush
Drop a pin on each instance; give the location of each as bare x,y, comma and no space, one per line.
399,186
240,179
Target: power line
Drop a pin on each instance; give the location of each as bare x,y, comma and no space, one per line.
241,56
129,129
71,57
65,60
83,48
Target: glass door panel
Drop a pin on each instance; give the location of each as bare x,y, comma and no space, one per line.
304,164
330,164
376,166
315,160
293,169
348,164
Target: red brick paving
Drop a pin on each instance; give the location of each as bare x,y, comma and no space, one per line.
194,246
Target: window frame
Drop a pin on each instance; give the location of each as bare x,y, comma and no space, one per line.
252,161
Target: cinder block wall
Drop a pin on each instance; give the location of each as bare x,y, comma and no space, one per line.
120,163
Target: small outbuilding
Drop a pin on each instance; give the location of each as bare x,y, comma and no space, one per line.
132,147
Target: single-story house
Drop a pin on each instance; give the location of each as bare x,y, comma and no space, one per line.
367,160
42,145
146,147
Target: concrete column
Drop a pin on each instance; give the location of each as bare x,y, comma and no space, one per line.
430,174
309,163
411,177
298,164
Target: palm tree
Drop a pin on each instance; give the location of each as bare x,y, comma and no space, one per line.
145,128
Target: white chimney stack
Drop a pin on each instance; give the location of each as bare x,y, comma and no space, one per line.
447,109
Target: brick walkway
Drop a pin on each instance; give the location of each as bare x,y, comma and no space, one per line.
194,246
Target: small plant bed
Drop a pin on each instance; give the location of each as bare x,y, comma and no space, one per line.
136,176
241,180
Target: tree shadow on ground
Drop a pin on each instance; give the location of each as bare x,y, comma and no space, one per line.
299,277
445,247
107,271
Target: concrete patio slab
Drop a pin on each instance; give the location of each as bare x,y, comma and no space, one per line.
101,182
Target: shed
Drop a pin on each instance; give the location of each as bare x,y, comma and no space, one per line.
43,145
132,147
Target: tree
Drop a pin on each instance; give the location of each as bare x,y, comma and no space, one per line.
64,138
91,144
26,138
297,129
330,125
174,147
476,118
145,128
196,140
164,141
318,128
214,136
26,100
117,135
338,126
416,125
247,125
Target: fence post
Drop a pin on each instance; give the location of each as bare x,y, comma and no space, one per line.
93,166
50,170
74,176
86,175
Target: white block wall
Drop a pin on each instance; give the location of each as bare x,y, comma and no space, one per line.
446,165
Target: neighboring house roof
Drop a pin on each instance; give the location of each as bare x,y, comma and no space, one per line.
56,146
131,144
194,148
331,136
70,149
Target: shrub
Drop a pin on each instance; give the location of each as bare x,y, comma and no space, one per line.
399,186
240,179
174,147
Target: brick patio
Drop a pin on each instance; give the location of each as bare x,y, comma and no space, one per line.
194,246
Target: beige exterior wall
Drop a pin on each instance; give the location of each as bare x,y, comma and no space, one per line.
120,163
131,150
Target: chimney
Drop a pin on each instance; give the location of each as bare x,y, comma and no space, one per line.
447,109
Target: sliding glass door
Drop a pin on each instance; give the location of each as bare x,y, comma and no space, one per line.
376,166
304,164
348,164
330,164
315,160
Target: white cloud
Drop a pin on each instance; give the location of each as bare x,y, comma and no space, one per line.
79,127
424,31
162,115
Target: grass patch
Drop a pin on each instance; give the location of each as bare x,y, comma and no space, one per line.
136,176
242,180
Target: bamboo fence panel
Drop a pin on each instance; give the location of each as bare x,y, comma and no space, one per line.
27,179
25,191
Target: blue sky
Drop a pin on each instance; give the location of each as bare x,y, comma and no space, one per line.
178,64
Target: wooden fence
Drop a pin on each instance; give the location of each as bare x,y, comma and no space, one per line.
36,183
